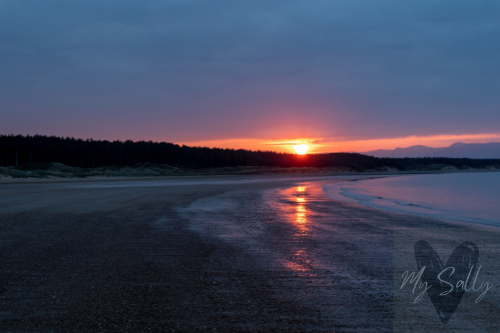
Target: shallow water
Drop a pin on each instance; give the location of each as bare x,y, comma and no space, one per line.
468,197
309,247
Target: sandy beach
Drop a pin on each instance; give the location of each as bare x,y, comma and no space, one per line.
223,254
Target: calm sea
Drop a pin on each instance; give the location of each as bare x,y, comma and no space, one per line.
469,197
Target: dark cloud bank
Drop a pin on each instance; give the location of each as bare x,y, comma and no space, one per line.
200,70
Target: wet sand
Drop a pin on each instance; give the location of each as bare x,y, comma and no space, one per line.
226,254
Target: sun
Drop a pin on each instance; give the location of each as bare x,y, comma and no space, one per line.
301,149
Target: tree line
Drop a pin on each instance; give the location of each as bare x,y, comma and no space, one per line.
17,150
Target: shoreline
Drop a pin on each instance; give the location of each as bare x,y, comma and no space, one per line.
260,256
413,204
35,180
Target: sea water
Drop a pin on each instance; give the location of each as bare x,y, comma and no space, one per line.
468,197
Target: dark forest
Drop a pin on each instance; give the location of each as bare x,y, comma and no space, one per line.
18,150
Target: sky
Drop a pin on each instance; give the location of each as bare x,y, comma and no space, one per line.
338,75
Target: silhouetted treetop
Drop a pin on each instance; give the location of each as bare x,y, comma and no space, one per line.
16,150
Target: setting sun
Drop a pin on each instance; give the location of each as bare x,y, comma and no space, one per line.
301,149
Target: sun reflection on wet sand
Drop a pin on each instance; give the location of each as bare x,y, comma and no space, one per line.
301,215
300,261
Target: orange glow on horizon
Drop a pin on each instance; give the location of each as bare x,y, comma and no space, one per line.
301,149
331,145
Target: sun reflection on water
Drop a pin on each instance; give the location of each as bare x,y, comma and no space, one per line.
300,261
301,215
296,211
300,210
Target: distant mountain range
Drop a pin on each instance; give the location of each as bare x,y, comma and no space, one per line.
457,150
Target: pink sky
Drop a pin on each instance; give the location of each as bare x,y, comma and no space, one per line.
321,145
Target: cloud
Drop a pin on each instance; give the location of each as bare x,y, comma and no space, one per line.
215,70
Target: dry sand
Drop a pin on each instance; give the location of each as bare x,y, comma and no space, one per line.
256,253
